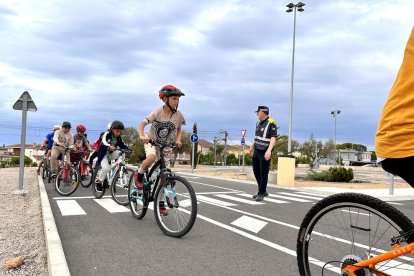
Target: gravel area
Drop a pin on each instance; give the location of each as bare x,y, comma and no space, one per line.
21,225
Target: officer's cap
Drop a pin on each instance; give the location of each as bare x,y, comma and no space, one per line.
263,108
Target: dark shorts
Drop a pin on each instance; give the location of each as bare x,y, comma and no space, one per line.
403,167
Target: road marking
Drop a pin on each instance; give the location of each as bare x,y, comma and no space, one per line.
394,203
205,184
262,241
312,194
215,201
213,193
78,197
301,196
249,223
290,198
266,199
251,202
111,206
70,208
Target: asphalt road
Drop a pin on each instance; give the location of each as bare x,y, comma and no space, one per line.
231,236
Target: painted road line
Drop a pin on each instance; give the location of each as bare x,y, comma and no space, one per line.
249,223
289,198
267,199
301,196
215,201
70,208
78,197
312,194
394,203
205,184
213,193
251,202
262,241
111,206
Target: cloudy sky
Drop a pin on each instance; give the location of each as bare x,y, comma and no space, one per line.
92,61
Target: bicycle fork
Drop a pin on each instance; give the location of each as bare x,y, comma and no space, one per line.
174,195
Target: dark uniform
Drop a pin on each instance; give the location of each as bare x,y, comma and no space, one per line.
265,130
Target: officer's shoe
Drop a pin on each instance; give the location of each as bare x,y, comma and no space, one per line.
265,194
255,196
259,197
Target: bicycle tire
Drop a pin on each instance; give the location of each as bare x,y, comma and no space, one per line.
96,193
335,214
138,203
67,186
179,199
44,171
88,177
119,187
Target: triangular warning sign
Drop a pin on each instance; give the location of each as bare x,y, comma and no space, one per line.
20,102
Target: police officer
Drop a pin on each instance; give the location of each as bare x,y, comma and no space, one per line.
264,141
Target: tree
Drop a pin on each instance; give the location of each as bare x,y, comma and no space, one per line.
310,149
130,137
357,147
327,149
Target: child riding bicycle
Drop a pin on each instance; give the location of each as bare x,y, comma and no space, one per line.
166,122
110,141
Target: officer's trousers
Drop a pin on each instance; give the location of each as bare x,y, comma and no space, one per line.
261,169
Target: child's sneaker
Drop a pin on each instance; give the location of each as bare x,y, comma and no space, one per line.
138,180
98,185
163,210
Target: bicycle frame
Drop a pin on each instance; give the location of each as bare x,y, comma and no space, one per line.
371,262
116,165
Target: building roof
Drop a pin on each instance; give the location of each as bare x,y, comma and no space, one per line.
17,146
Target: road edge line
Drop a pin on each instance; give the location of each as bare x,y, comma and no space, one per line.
56,260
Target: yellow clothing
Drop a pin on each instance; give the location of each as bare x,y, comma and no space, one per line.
395,133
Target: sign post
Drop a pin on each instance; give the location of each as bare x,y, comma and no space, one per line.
24,103
243,142
194,140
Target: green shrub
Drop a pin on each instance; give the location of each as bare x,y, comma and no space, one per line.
318,176
333,174
2,165
34,164
340,174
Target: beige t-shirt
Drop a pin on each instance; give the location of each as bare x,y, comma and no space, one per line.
164,126
61,137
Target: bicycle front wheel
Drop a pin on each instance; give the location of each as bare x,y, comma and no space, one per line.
344,229
175,206
138,199
119,187
98,192
86,174
66,182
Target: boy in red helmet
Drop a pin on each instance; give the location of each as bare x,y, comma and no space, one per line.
166,123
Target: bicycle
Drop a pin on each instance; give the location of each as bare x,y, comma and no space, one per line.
168,192
354,234
67,177
118,176
85,170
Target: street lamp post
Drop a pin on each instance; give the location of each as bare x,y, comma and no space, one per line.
335,113
292,7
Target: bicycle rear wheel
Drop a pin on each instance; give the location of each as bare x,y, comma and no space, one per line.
138,199
86,174
175,206
67,180
95,191
119,187
347,228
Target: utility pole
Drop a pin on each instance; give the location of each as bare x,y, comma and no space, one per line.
215,151
225,147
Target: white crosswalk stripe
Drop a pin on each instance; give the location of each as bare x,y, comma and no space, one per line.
214,201
289,198
301,196
267,199
70,208
111,206
251,202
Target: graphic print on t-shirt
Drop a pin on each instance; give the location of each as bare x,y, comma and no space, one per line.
163,130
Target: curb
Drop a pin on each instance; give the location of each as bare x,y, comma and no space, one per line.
56,260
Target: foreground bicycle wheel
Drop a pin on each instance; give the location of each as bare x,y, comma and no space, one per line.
96,193
347,228
138,199
119,187
87,177
67,180
175,206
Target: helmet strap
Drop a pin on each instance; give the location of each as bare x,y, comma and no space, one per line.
167,103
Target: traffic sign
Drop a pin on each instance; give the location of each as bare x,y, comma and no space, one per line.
194,138
243,141
25,98
243,132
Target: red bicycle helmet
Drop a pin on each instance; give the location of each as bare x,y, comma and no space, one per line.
170,90
80,128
